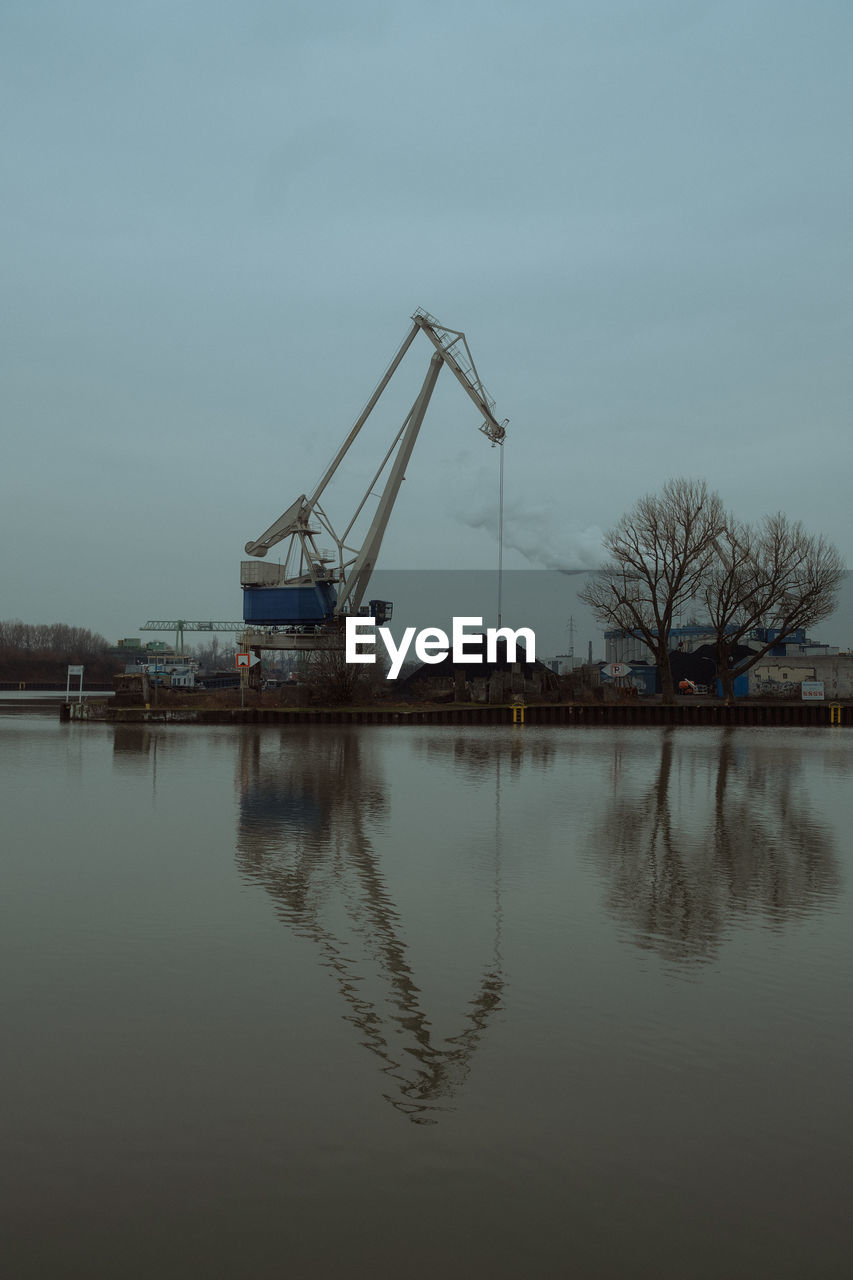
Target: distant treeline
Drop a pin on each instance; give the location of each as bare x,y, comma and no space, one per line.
42,651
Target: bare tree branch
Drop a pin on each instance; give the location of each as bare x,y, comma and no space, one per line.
775,577
659,554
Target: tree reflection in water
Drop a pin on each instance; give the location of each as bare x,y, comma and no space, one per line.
479,755
711,839
306,810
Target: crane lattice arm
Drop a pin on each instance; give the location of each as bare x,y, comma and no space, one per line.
339,582
179,626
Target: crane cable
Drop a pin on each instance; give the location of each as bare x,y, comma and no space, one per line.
500,530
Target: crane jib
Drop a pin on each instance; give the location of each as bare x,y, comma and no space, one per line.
311,588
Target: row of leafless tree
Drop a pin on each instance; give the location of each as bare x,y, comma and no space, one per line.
681,551
51,638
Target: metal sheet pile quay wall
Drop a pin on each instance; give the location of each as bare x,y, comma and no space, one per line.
577,715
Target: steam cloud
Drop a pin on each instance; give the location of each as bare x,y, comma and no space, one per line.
543,542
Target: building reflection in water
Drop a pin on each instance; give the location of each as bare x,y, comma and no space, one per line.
477,755
307,807
713,837
131,743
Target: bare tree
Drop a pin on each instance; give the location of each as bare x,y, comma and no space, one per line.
40,651
775,577
659,554
331,679
54,637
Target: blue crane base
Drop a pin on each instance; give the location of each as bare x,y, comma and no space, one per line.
289,606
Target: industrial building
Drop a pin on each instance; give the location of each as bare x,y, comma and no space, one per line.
776,676
628,646
780,673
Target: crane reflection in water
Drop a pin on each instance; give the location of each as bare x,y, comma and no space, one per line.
307,808
712,837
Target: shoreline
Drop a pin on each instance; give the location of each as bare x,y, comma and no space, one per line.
809,714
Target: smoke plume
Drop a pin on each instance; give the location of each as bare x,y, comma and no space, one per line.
545,541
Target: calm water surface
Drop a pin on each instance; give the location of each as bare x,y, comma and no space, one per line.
376,1001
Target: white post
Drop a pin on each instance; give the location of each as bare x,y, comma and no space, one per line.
74,671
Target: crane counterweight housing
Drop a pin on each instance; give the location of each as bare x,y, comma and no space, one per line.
313,589
290,605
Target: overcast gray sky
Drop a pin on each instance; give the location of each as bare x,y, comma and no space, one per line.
217,219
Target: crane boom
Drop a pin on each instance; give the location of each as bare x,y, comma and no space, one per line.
462,363
365,561
310,587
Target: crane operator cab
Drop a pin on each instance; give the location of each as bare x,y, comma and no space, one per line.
381,610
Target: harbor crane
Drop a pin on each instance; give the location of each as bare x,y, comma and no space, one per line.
180,625
301,601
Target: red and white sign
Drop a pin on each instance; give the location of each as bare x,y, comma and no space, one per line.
245,659
616,669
